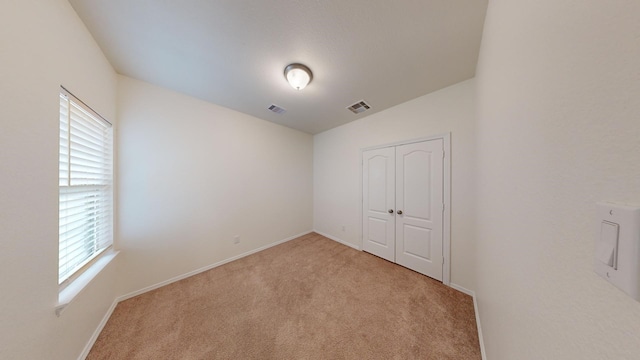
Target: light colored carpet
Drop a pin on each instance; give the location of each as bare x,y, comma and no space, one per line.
309,298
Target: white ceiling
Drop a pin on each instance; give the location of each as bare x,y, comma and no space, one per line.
233,52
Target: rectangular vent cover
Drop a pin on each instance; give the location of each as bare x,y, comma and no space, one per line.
277,109
359,107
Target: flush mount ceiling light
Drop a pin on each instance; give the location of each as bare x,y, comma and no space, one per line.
298,75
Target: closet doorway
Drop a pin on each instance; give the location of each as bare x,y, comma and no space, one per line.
405,196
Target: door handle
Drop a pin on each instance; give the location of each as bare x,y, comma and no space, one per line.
399,212
390,211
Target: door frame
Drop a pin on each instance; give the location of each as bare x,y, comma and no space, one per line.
446,218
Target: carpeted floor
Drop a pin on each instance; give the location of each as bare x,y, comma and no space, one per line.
309,298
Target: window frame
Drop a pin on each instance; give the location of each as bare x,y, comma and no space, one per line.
97,198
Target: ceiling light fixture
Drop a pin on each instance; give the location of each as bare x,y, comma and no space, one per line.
298,75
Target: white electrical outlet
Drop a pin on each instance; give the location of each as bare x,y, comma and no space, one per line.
236,239
344,228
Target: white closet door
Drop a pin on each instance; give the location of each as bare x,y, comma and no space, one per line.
419,207
378,175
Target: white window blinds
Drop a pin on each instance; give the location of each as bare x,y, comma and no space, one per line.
85,206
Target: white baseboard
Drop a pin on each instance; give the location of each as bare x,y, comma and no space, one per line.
96,333
208,267
338,240
463,289
475,308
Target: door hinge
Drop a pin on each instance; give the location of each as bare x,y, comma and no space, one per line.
443,154
442,207
442,261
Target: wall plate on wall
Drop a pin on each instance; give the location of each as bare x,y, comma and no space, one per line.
617,250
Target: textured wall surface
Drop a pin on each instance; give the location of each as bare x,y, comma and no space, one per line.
192,175
336,162
558,131
43,44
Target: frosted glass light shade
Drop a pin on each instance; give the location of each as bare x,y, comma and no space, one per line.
298,76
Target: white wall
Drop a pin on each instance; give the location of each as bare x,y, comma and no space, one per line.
336,161
558,131
43,45
192,175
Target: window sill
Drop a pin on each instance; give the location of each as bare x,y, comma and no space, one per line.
71,292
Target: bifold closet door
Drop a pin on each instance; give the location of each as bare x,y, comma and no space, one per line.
403,196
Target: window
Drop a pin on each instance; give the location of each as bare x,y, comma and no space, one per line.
86,183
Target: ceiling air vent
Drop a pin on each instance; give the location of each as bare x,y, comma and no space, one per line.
359,107
277,109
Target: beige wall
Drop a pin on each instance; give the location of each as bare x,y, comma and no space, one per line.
43,45
336,162
558,131
192,175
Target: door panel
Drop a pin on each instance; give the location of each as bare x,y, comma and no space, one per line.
378,230
378,196
420,195
417,165
417,241
378,182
